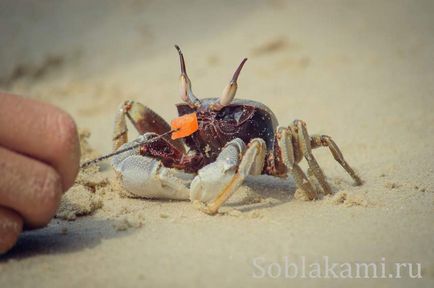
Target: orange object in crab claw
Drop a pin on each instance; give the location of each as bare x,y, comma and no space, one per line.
185,125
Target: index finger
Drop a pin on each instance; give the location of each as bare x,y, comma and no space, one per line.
40,131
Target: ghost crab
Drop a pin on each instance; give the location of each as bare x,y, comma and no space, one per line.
235,138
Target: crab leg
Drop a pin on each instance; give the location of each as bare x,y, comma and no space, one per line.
327,141
284,141
217,181
120,130
143,119
304,142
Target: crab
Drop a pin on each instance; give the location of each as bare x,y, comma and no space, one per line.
234,139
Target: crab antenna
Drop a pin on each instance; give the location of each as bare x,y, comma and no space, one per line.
185,84
230,90
237,72
181,60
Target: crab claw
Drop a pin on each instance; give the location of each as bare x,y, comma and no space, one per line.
146,177
211,180
216,176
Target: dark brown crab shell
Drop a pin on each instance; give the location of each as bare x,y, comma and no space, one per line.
244,119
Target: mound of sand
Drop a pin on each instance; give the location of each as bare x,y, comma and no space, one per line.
84,196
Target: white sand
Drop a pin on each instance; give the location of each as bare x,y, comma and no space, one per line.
360,71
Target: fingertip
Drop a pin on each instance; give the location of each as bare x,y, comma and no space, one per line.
11,225
30,187
42,131
48,192
66,149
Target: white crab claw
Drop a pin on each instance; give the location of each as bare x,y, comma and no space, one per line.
118,159
210,181
213,178
147,177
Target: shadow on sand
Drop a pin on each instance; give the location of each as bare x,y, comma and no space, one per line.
61,237
275,191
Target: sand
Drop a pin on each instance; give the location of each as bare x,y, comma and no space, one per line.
360,71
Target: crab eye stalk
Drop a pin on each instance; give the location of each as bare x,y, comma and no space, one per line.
230,90
185,90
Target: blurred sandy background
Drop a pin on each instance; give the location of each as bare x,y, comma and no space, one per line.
360,71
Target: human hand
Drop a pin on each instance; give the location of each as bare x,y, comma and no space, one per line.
39,160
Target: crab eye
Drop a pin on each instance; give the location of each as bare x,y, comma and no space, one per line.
236,115
223,115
